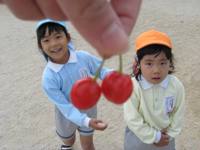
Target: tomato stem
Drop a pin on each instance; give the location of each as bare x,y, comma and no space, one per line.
99,69
120,64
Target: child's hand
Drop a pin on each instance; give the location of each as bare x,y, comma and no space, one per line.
164,131
164,140
97,124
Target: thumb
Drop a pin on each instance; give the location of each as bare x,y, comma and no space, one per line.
98,23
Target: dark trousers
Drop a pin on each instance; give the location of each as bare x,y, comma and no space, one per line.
132,142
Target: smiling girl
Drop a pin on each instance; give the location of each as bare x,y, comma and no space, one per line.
64,67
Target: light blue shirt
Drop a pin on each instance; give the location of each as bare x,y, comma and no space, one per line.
58,79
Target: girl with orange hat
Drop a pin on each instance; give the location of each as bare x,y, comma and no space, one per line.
155,111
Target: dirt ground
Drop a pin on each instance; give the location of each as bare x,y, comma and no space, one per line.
27,117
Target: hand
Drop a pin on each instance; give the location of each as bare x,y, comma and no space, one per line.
163,141
97,124
105,24
164,131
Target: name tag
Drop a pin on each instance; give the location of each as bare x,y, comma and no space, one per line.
169,104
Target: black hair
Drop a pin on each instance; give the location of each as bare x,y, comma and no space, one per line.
52,27
149,50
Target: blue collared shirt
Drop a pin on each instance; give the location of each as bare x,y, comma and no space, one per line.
58,79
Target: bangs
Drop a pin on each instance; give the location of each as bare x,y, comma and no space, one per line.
50,27
154,49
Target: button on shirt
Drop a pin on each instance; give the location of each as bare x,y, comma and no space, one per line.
58,79
153,107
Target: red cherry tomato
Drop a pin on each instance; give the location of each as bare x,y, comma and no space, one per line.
85,93
117,87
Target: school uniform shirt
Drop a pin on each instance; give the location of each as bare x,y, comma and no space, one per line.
153,107
58,79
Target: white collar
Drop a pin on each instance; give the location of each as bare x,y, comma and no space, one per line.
146,85
57,67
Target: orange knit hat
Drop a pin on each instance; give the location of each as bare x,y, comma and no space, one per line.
152,37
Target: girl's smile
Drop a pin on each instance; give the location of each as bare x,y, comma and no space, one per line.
56,50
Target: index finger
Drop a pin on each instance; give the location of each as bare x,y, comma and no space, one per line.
127,10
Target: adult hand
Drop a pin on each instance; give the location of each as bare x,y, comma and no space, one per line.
105,24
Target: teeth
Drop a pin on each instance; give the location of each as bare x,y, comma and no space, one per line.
56,50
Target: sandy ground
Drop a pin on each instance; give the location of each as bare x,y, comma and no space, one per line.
27,117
